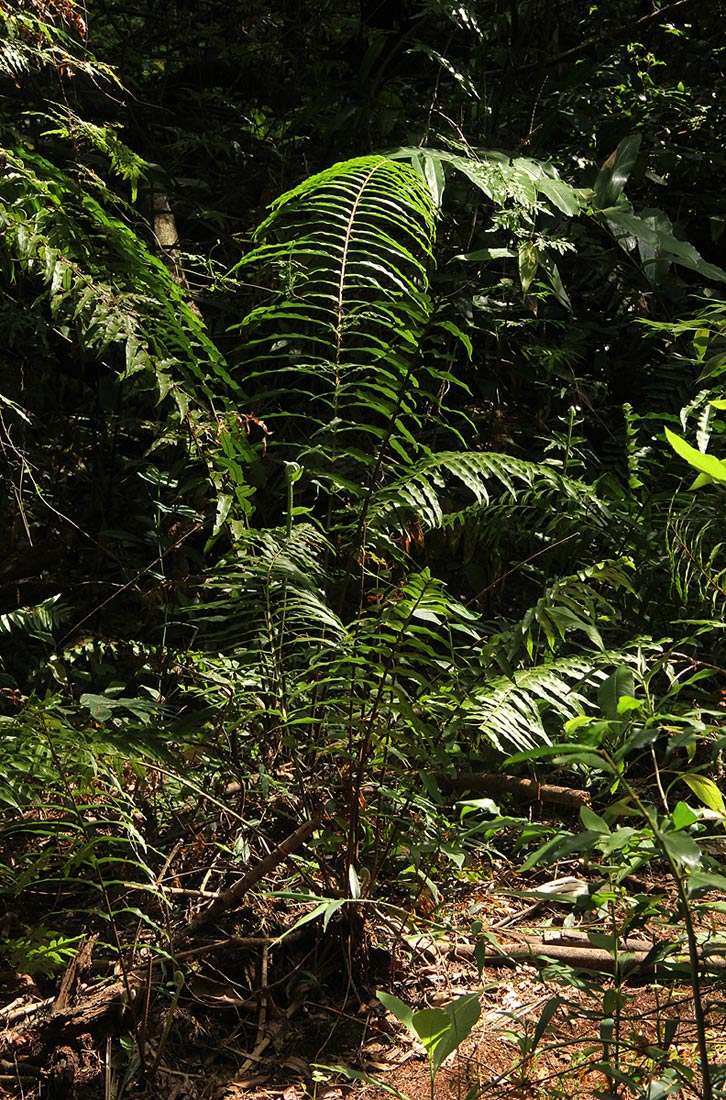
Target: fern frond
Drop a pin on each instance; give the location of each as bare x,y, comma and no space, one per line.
38,621
100,278
423,491
418,628
31,40
105,289
267,597
336,347
697,556
511,712
123,162
574,604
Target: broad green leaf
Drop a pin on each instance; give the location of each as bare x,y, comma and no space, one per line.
706,791
561,195
400,1010
354,882
616,840
605,941
682,849
612,1071
701,480
614,174
619,683
528,260
433,171
555,280
455,854
100,706
707,464
706,880
654,254
627,704
682,816
546,1015
593,821
469,805
663,244
669,1082
462,337
442,1030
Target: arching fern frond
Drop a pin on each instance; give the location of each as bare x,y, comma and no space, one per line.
122,160
38,621
46,35
100,278
102,286
336,347
576,604
510,712
419,630
267,597
425,492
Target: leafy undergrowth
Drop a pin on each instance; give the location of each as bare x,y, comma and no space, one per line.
114,984
362,594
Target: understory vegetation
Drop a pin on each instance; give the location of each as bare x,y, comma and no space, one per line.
363,433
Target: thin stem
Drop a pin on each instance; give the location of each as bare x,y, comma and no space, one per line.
691,939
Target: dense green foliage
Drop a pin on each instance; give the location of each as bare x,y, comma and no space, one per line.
355,361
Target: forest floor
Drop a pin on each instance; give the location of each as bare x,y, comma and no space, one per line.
309,1030
494,1061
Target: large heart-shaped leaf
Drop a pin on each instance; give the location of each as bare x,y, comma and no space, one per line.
442,1030
439,1030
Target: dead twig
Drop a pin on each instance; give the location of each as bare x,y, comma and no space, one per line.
262,1045
79,965
577,937
515,918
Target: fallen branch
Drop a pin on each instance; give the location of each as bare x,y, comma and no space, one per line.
230,941
230,898
537,953
79,965
95,1006
102,1004
575,937
101,1008
529,790
12,1014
